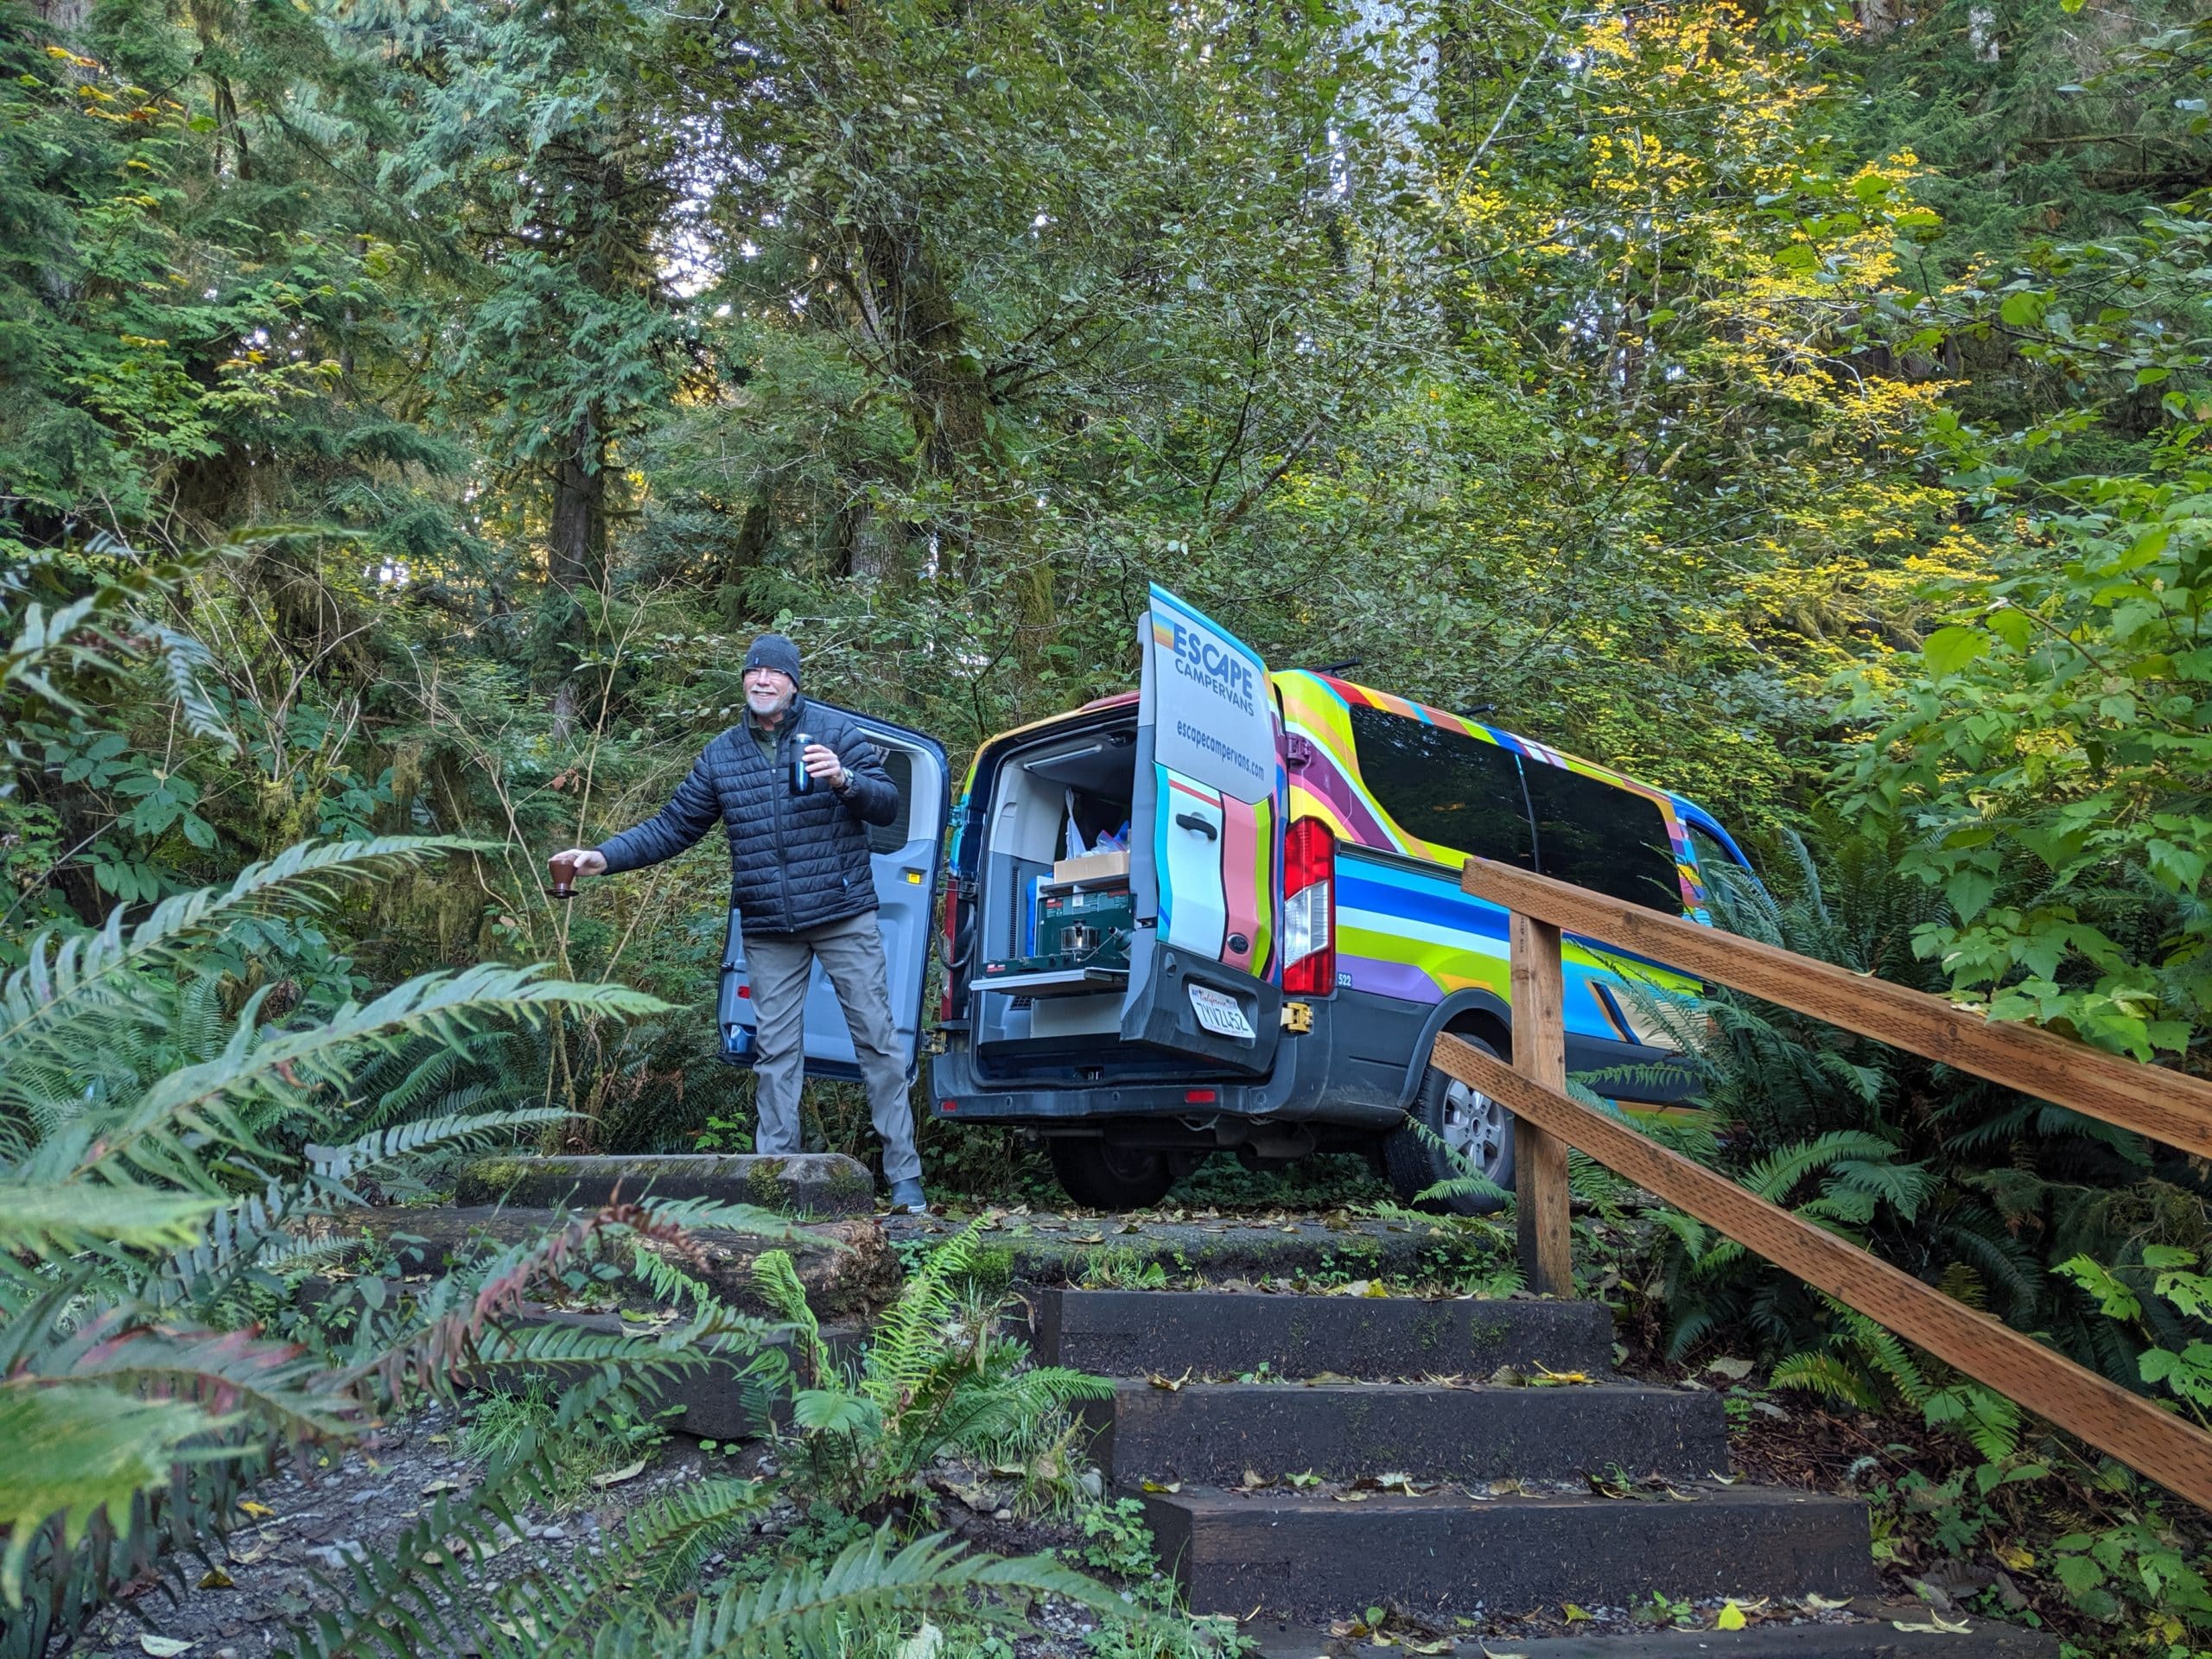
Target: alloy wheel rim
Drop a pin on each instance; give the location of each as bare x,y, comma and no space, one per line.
1474,1126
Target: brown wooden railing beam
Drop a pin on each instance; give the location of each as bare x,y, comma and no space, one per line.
1540,1159
2164,1104
2152,1442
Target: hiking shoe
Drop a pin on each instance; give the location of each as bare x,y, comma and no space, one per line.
907,1196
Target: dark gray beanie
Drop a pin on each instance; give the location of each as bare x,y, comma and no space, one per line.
775,650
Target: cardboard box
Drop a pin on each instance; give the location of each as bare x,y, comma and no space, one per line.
1092,867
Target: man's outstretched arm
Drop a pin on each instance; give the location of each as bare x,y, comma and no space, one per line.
691,811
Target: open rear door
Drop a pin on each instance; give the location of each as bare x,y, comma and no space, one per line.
1205,840
905,856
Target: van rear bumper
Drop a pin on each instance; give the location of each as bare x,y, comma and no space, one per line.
1307,1084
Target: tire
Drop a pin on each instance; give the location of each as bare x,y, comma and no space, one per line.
1470,1123
1102,1176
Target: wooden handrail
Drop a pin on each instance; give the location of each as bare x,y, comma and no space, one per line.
2166,1105
2158,1444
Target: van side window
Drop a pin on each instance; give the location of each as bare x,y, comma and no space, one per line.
1716,867
1612,841
1445,786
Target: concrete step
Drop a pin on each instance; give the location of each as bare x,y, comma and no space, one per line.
1308,1558
1214,1432
812,1185
1229,1332
1865,1638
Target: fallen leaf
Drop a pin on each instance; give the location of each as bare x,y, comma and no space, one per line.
1734,1370
1353,1497
255,1509
1575,1615
247,1552
616,1476
437,1486
440,1439
2020,1560
1309,1478
1169,1383
1159,1486
924,1643
1731,1619
1820,1604
1938,1625
216,1579
1547,1379
162,1646
1254,1477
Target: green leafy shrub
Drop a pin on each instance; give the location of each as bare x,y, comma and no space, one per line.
937,1376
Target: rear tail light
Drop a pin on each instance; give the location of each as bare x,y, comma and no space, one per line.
951,928
1309,909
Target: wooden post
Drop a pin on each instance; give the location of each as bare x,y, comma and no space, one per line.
1539,1159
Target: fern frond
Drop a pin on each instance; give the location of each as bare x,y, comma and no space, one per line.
416,1595
337,1165
909,1341
1774,1175
809,1610
78,1454
200,1098
662,1548
280,1383
48,1220
1825,1375
64,971
778,1283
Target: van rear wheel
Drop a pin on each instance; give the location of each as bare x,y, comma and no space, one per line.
1471,1124
1102,1176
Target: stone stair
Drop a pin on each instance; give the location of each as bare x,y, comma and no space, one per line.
1302,1459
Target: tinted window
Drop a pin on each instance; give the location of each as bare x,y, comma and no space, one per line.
899,764
1445,786
1608,840
1717,866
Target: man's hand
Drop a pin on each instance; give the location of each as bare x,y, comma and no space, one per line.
588,862
822,765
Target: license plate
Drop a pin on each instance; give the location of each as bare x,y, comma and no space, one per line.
1220,1012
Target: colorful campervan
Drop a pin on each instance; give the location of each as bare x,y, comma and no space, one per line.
1223,913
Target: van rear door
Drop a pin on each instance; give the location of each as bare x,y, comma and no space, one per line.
1206,839
904,857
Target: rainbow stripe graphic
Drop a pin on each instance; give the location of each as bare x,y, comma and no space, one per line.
1410,932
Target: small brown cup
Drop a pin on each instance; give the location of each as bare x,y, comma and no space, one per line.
564,867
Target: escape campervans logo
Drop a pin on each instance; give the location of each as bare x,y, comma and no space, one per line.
1227,674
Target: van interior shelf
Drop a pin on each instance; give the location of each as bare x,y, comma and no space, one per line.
1059,981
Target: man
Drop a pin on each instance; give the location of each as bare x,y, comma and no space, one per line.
801,884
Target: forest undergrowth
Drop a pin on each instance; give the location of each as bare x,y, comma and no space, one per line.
407,416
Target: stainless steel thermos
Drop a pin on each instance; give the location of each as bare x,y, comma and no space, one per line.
802,781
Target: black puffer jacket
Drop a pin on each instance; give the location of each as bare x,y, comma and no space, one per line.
795,862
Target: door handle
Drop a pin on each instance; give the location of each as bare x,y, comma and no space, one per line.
1193,821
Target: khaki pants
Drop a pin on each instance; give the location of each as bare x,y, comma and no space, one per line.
777,968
